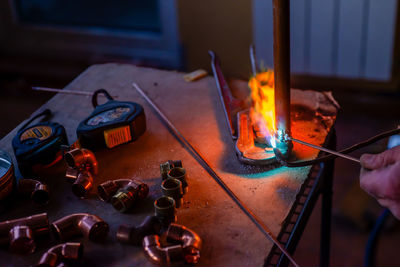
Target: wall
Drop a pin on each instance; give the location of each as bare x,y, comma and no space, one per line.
223,26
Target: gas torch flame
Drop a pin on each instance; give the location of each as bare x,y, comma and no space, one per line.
262,112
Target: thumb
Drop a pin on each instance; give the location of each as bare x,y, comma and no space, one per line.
376,161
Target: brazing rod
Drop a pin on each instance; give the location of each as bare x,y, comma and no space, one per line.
325,150
257,221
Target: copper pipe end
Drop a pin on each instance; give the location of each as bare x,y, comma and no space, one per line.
82,159
161,255
55,255
20,233
38,191
71,175
88,225
166,166
83,184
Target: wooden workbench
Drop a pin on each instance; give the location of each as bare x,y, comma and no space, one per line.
229,237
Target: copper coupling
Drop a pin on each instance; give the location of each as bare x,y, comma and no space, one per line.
90,226
56,255
164,210
82,167
172,187
186,246
134,235
38,191
20,233
122,193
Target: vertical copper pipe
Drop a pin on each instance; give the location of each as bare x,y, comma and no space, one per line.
281,14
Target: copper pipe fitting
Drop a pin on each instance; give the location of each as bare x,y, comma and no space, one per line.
38,191
88,225
123,193
190,241
165,210
71,175
165,167
161,255
82,159
134,235
180,174
20,233
55,255
82,184
172,187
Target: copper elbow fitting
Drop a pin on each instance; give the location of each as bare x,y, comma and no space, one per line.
38,191
161,255
59,253
20,233
82,159
134,235
88,225
122,193
190,241
82,184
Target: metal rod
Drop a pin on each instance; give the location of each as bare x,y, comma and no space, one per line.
325,150
257,221
65,91
281,26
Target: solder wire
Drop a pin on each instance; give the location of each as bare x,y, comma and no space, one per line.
257,221
302,163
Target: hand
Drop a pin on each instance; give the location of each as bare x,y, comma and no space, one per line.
380,177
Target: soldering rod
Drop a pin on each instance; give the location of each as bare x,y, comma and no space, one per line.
325,149
257,221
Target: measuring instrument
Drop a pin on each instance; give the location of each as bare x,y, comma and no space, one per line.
111,124
6,175
38,146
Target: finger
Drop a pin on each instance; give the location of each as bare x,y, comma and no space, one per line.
382,183
376,161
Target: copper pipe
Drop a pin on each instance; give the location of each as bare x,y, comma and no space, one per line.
281,20
134,235
20,233
55,255
191,242
82,184
123,193
88,225
161,255
82,159
38,191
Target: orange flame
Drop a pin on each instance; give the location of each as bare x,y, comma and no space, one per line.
263,109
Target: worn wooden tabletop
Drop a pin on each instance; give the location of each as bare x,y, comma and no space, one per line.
229,237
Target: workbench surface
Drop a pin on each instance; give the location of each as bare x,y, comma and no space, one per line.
229,237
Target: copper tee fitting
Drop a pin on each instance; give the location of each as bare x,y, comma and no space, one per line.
20,233
122,193
161,255
134,235
38,191
88,225
82,159
190,241
62,252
